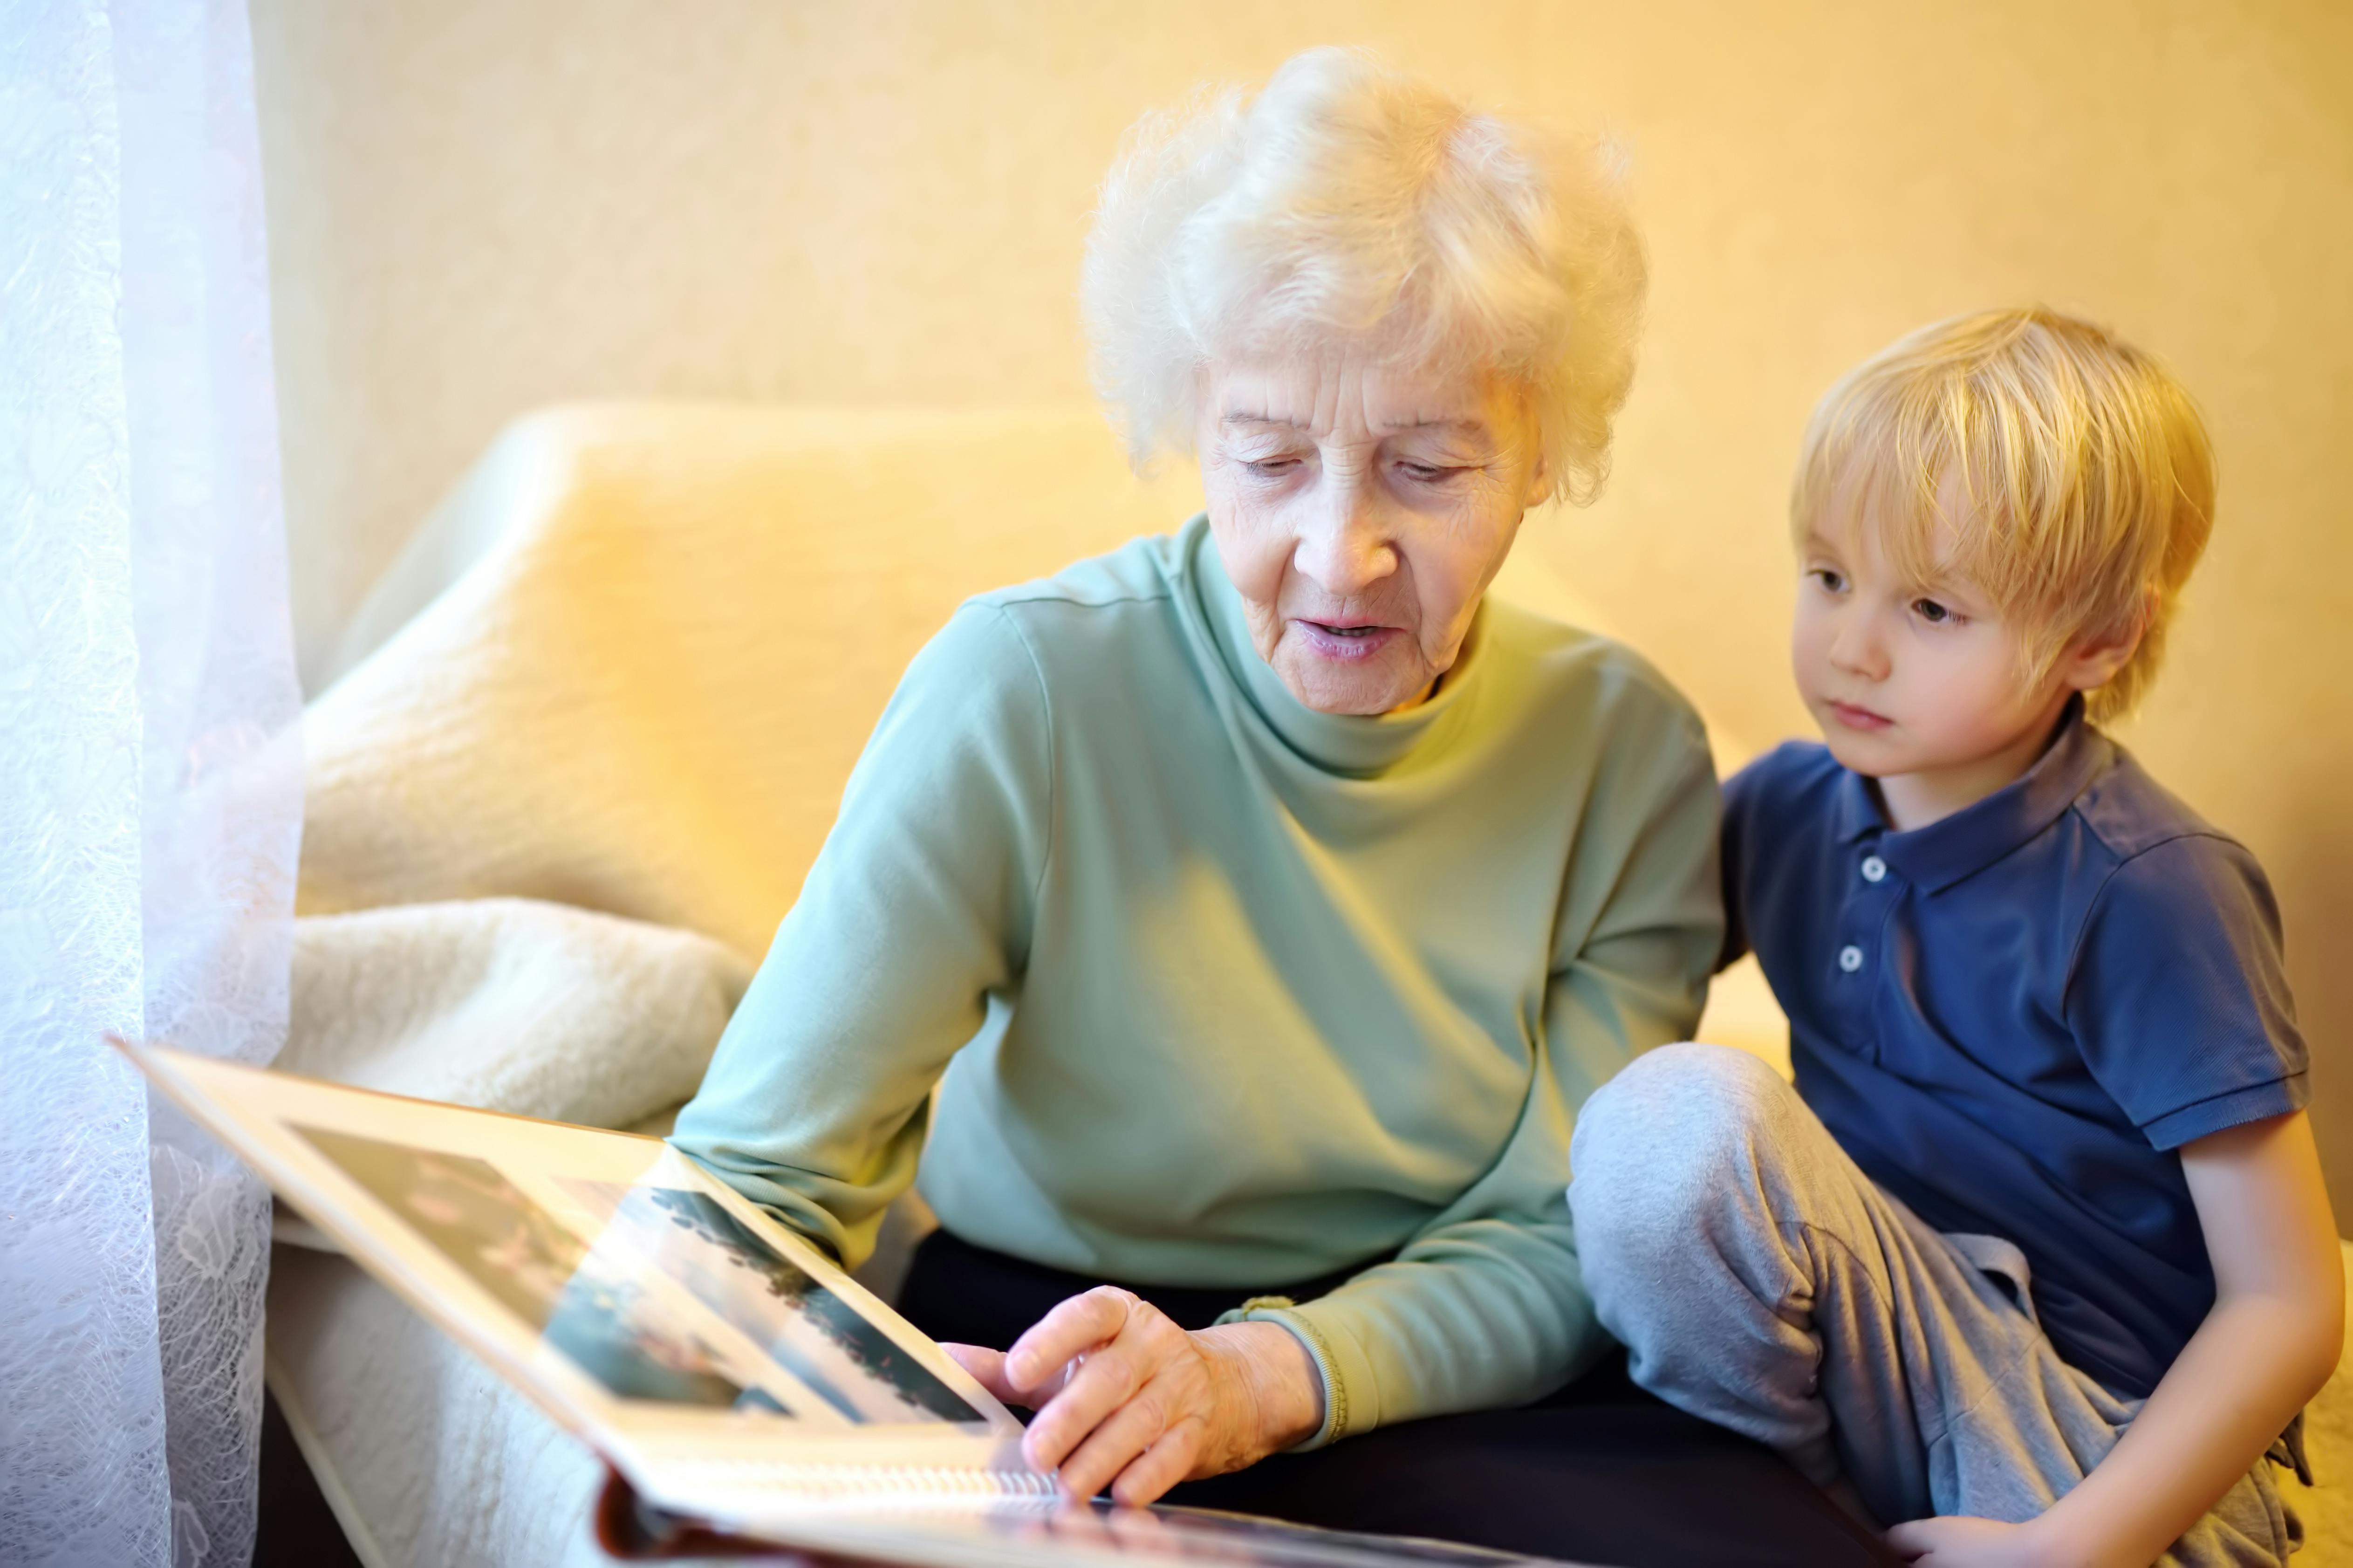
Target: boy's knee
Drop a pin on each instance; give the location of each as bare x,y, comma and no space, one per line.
1695,1066
1691,1092
1658,1141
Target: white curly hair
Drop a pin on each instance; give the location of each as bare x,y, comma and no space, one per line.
1349,204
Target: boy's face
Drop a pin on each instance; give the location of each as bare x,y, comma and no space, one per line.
1910,682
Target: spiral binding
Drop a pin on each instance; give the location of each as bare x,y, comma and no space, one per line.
914,1484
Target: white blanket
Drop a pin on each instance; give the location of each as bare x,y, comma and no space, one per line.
512,1004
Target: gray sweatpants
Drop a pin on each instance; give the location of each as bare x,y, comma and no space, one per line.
1758,1278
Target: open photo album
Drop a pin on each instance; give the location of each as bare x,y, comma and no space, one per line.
739,1386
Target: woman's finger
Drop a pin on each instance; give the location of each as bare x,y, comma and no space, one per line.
1168,1461
1110,1378
1071,1330
987,1369
1112,1444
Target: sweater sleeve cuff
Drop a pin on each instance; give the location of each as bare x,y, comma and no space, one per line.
1350,1390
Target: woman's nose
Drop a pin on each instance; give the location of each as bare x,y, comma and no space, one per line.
1347,547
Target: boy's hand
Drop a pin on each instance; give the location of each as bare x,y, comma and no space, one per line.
1958,1541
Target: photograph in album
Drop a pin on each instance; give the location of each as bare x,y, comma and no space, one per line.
723,1365
685,1235
590,1302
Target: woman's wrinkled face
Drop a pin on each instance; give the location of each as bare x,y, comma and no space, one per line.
1361,509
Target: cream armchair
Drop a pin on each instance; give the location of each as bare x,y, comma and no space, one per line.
587,737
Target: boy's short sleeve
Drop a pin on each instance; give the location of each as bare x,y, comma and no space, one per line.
2178,997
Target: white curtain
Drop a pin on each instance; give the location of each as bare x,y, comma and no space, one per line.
150,776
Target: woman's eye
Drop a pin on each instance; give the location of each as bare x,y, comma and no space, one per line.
1425,473
1271,467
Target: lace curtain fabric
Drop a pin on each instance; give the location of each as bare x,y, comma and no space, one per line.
150,775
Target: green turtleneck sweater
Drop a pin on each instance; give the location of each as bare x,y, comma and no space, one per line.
1221,990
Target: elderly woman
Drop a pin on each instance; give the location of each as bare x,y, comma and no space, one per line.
1259,901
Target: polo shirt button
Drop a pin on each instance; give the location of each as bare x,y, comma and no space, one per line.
1849,958
1873,868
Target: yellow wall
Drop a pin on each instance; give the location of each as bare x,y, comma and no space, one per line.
478,207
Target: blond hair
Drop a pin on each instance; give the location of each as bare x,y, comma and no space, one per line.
2085,472
1348,204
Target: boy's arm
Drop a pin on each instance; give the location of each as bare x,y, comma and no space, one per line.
2270,1341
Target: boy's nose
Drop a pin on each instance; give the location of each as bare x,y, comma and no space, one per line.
1858,649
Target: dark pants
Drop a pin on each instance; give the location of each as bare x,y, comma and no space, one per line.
1600,1473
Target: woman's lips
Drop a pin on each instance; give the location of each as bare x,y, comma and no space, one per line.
1345,641
1855,718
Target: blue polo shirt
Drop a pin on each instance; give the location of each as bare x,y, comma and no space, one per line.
2013,1017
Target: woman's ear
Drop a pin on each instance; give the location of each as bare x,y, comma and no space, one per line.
2093,660
1530,431
1539,488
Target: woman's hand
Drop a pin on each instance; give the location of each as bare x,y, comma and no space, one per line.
1128,1399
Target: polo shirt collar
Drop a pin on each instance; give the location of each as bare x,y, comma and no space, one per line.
1960,846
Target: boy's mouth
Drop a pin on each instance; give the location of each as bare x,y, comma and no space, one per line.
1855,718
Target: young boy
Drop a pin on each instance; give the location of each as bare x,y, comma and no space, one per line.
2036,1255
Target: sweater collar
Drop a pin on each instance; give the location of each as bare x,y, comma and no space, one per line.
1358,745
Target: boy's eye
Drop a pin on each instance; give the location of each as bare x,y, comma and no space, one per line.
1929,611
1832,580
